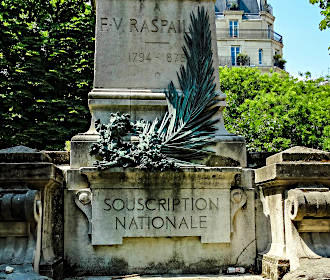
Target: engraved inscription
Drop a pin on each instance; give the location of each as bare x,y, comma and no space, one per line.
143,26
140,57
139,39
161,206
120,213
106,24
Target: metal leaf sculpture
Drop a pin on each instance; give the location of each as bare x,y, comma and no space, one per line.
189,124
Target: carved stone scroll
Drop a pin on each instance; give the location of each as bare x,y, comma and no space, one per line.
310,209
238,200
83,200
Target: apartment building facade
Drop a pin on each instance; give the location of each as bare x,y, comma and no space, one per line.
246,36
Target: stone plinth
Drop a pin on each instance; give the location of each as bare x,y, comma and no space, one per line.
130,221
294,191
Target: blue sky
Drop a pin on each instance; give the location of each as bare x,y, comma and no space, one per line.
305,46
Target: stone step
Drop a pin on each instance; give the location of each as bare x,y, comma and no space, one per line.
169,277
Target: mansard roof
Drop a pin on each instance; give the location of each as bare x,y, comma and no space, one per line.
248,6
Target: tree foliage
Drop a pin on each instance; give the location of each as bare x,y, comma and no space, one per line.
46,71
275,112
325,11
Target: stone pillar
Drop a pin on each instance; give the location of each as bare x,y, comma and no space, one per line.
31,219
295,194
138,51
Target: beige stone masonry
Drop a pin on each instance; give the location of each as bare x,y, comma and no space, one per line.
295,195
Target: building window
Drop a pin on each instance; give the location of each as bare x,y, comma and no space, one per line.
233,28
235,50
260,56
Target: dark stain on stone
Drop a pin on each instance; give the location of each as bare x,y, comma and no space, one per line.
141,5
98,267
177,266
215,160
157,6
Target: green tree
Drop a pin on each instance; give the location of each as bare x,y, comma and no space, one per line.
325,11
275,112
46,71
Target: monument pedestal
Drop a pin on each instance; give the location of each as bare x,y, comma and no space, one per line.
128,221
198,220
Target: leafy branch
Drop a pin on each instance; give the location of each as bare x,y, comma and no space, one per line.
188,125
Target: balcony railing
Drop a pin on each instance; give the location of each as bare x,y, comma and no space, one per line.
229,61
249,34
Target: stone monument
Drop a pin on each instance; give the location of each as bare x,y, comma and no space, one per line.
134,221
86,220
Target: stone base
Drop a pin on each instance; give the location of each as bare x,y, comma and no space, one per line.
138,249
146,104
149,104
229,151
273,267
176,277
139,103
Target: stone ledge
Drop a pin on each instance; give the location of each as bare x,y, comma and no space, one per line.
301,154
293,172
196,177
34,174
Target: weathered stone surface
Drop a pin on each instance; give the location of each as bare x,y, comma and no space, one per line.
18,149
299,153
137,213
179,254
215,160
308,203
33,174
295,200
188,203
22,154
311,269
177,277
273,267
257,159
294,172
230,146
41,244
59,157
